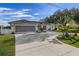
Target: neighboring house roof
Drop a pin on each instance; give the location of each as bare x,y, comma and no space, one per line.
24,21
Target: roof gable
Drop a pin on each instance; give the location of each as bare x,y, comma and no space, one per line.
24,21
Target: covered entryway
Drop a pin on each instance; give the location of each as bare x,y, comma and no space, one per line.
24,28
44,27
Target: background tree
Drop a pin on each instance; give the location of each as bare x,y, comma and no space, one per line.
64,17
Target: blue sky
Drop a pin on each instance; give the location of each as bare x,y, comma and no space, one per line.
30,11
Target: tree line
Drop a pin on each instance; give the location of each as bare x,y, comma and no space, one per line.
64,16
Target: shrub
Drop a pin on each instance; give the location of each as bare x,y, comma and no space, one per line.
68,28
71,30
70,37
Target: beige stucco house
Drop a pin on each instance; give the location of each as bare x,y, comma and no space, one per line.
21,26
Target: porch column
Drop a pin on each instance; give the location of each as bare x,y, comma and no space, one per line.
36,27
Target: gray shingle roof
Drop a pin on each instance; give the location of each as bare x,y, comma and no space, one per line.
24,21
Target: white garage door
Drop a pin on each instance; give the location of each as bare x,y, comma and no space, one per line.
25,28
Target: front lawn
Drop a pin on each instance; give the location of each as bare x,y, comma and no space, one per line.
7,45
71,40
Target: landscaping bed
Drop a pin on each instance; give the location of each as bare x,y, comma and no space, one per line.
7,45
68,28
71,39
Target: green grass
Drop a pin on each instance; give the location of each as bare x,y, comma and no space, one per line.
7,45
70,40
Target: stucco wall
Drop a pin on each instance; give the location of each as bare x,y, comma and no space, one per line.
23,24
51,26
6,31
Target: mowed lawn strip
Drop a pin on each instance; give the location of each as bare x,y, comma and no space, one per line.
7,45
68,41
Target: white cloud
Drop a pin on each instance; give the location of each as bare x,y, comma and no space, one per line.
3,22
18,14
12,13
26,9
3,8
22,15
36,14
15,12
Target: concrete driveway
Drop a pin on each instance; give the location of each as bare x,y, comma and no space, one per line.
32,37
42,44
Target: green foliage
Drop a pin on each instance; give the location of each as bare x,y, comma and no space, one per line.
7,45
63,17
69,28
61,28
71,40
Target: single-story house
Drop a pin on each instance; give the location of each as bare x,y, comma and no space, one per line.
21,26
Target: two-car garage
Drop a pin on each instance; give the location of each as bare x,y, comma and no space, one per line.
24,28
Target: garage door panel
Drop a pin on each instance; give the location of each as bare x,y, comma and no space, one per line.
25,28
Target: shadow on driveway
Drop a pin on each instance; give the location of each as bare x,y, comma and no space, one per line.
55,41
